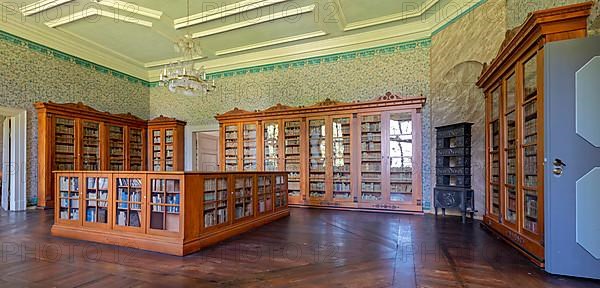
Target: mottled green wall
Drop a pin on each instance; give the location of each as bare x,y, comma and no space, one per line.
517,10
28,76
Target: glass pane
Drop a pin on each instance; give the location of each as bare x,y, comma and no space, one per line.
91,146
169,154
243,197
530,123
496,103
318,156
401,157
69,198
215,201
280,197
341,158
530,203
371,157
249,147
231,148
64,148
271,146
511,167
96,199
156,150
129,202
495,201
136,146
117,148
292,156
265,194
530,78
511,89
164,204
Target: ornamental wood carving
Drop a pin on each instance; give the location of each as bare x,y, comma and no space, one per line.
278,107
235,111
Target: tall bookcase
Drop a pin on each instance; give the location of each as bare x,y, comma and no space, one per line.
513,84
166,144
363,155
73,136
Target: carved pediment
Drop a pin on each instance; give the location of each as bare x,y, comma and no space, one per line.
278,107
163,118
235,111
390,96
128,116
327,102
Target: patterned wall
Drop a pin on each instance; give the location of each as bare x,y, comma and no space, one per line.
517,10
28,76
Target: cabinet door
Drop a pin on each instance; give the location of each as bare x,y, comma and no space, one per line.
231,147
341,156
215,202
129,204
493,148
371,158
116,148
531,151
265,194
97,200
156,149
69,199
164,209
169,149
90,146
136,149
243,197
249,156
510,152
292,143
272,146
399,157
64,144
318,154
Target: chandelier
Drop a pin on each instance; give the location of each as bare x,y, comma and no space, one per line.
182,76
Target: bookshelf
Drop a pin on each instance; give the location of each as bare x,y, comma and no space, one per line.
249,156
76,137
159,211
136,161
513,86
166,148
338,155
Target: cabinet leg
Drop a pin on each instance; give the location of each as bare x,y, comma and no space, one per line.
444,212
436,211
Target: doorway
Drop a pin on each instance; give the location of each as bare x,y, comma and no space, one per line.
206,151
14,159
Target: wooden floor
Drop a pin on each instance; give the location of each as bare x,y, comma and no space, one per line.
312,248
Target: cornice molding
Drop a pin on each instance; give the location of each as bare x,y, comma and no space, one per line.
388,18
272,42
95,12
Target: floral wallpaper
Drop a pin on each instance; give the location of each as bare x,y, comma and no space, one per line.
517,10
28,76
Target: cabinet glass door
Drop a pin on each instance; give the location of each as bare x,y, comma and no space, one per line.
129,202
165,197
317,158
156,150
231,147
169,149
370,158
510,151
136,147
215,201
243,195
249,159
64,148
341,158
400,156
90,151
116,148
292,156
69,194
494,151
96,200
529,148
265,194
271,149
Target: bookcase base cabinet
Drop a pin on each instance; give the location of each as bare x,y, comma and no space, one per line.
454,198
161,244
175,213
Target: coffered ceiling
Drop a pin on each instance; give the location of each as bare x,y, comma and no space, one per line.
136,37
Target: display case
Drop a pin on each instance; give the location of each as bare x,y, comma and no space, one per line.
73,136
166,136
363,155
137,159
513,85
169,212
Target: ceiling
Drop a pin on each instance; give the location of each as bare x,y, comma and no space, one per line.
136,37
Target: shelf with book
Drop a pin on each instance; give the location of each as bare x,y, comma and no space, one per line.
169,149
97,202
64,148
136,149
90,146
215,201
341,158
281,194
271,136
231,147
165,199
249,160
243,197
510,152
265,194
400,156
317,158
116,146
371,158
156,150
292,144
129,202
68,199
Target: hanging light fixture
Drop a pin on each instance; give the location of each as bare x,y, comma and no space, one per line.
181,76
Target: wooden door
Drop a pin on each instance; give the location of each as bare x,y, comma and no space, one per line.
230,133
272,149
69,199
90,146
156,149
250,142
135,149
493,152
116,147
216,201
318,156
129,202
97,203
164,212
244,193
340,160
292,157
206,156
509,152
169,148
65,150
371,159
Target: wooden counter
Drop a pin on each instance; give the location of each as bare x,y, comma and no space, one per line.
176,213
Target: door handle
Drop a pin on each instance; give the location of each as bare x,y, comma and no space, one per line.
559,163
558,167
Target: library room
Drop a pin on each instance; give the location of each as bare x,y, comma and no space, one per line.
299,143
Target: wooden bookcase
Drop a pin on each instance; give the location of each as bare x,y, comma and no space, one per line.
77,137
169,212
361,155
166,144
514,89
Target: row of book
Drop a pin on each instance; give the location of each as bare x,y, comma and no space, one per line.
99,217
135,182
215,217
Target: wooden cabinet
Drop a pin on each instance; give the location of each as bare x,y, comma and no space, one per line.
513,85
78,137
166,144
170,212
363,155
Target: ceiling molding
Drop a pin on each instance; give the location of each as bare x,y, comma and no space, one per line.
390,18
132,8
95,12
223,12
168,61
255,21
41,6
272,42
